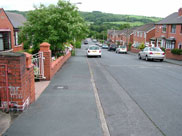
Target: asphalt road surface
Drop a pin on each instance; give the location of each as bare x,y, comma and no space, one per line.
138,98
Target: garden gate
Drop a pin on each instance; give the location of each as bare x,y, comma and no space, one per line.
38,61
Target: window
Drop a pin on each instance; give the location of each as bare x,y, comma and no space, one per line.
173,28
164,28
170,44
16,38
138,34
141,34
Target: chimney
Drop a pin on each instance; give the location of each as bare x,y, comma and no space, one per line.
180,12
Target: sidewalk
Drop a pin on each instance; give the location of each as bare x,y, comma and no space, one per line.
176,62
5,119
67,106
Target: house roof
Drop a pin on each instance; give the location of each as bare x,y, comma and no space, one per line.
17,20
171,19
146,27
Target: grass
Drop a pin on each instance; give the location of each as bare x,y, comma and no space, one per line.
131,23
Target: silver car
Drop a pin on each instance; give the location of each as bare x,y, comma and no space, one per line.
151,53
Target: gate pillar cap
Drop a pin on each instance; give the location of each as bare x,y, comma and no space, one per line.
28,59
44,46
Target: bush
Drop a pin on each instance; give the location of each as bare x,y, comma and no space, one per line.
163,49
73,52
176,51
130,44
141,46
78,44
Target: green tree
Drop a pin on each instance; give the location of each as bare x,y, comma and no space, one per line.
55,24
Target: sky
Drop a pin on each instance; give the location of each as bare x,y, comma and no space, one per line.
157,8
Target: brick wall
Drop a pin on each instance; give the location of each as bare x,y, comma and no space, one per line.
57,64
169,55
21,86
135,50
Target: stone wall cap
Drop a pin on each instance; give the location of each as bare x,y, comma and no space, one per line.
12,54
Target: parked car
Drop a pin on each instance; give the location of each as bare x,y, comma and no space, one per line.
100,44
104,46
85,42
112,47
121,49
94,50
94,40
151,53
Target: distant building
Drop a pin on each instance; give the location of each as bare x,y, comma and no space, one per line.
9,28
168,32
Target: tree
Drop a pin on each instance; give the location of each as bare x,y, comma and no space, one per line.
55,24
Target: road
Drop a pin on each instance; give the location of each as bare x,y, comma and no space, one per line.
138,98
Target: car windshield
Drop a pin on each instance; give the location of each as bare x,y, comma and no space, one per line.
122,46
113,45
155,49
93,48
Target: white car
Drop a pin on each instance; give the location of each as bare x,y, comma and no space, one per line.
121,49
94,50
151,53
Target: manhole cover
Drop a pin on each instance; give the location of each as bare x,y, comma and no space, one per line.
60,87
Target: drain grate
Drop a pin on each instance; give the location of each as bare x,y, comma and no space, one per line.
60,87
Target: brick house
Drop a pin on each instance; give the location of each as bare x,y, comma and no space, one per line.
9,28
127,35
168,32
114,36
143,34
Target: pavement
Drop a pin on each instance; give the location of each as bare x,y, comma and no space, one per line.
6,119
172,61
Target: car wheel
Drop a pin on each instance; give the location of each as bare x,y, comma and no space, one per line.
139,57
146,58
100,56
161,60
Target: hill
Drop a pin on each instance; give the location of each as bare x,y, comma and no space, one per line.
133,20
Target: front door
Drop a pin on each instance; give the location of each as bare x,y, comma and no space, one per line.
1,43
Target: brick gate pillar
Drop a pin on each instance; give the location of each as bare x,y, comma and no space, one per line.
45,48
20,79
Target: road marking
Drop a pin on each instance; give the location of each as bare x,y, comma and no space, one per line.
99,106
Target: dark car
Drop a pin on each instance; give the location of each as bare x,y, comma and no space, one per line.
85,42
112,47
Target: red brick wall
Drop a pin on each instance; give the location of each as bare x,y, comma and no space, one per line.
149,35
21,85
169,55
138,38
57,64
135,50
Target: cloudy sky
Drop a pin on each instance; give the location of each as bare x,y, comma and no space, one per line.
158,8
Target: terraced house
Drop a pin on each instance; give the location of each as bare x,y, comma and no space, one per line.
9,28
168,32
143,34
